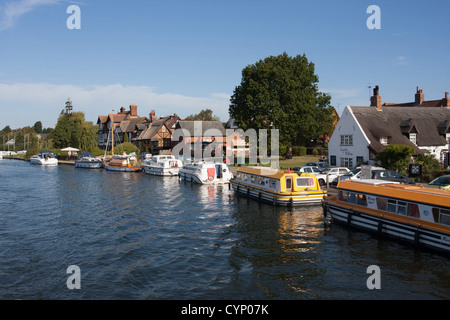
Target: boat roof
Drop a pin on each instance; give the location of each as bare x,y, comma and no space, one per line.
265,171
390,189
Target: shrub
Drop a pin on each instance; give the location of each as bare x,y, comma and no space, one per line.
126,147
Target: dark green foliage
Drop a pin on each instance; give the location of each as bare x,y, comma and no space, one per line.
282,93
395,157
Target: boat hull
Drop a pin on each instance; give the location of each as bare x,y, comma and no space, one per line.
279,199
122,169
160,171
417,235
88,165
41,162
195,178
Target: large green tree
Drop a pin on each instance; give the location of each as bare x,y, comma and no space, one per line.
281,92
72,130
204,115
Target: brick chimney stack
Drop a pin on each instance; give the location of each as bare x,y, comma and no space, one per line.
152,116
419,97
446,101
375,100
133,110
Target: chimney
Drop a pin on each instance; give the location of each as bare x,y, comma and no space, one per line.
122,110
133,110
152,116
375,100
446,101
419,98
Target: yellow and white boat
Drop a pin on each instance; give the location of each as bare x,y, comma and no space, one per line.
412,213
278,187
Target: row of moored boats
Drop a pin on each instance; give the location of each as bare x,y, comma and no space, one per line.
412,213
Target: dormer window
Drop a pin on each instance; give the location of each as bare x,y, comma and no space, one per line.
384,140
413,138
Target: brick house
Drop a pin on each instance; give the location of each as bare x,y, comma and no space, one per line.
122,123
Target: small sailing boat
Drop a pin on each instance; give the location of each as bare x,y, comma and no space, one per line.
121,163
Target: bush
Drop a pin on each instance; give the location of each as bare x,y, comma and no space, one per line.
126,147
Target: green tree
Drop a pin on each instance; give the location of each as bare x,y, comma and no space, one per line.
395,157
281,92
72,130
38,127
204,115
7,130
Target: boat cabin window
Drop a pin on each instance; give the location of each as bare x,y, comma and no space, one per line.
392,206
401,208
305,182
441,216
288,183
381,203
413,210
272,183
362,200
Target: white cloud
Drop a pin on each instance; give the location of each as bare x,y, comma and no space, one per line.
401,60
26,103
11,11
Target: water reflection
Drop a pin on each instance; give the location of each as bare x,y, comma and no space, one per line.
137,236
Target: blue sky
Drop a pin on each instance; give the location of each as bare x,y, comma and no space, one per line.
185,56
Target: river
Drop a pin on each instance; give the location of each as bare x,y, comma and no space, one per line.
141,237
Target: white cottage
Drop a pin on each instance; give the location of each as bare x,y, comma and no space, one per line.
362,132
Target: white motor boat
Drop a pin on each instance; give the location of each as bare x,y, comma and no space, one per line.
206,173
44,158
88,161
162,165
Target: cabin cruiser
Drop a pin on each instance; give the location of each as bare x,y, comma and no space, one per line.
162,165
44,158
206,173
278,187
123,163
88,161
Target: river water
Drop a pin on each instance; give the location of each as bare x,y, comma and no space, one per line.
136,236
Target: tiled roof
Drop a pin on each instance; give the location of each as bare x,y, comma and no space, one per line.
396,123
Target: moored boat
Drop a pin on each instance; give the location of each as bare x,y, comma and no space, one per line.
278,187
44,158
203,172
412,213
124,163
162,165
88,161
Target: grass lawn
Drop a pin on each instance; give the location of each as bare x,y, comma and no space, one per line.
291,163
297,161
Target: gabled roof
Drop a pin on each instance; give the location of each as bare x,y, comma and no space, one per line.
396,123
152,130
131,124
205,126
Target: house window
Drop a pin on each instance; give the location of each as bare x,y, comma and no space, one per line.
384,140
332,160
347,140
347,162
413,138
359,160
